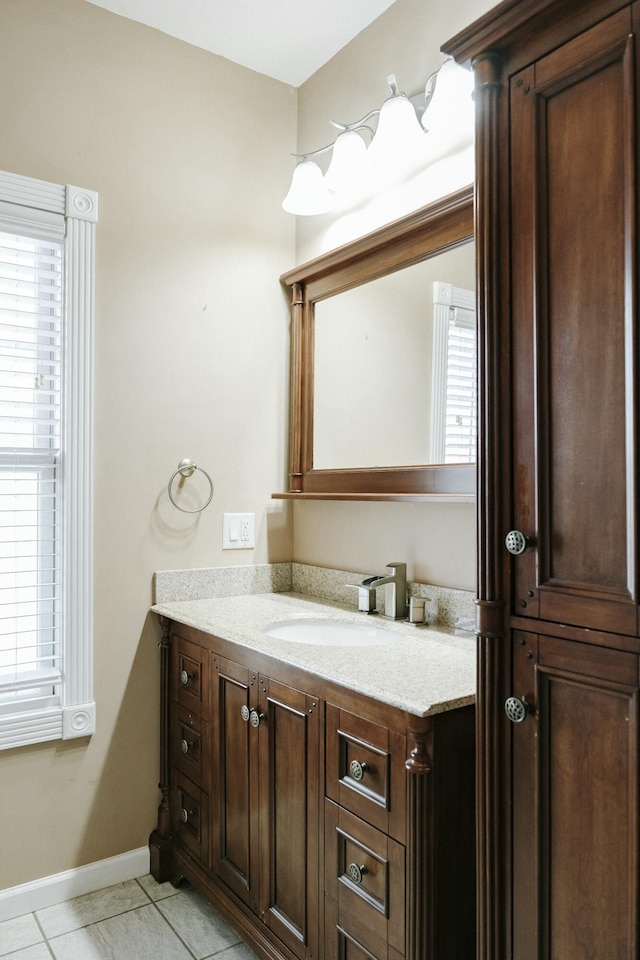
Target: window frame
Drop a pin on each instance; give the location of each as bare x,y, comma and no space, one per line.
75,714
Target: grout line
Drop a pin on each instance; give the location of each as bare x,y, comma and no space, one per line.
174,931
156,899
48,942
94,923
137,879
39,925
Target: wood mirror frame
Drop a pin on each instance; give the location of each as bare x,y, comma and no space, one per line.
433,229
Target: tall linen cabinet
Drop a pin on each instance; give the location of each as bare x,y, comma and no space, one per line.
556,89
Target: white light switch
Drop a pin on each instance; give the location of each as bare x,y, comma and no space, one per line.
238,531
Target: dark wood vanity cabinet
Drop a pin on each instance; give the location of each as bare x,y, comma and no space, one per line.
318,830
557,227
243,790
265,822
399,864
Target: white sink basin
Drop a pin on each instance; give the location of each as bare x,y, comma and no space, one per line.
330,633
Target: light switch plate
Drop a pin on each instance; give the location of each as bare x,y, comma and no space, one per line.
238,531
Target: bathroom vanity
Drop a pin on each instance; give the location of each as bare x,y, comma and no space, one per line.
320,796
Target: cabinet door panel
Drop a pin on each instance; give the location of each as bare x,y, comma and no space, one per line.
235,839
573,277
289,743
575,802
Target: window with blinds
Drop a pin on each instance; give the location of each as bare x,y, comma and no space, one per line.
461,418
47,239
454,407
30,332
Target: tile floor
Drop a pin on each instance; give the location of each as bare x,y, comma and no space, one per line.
136,920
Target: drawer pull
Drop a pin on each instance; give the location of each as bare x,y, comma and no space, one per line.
516,709
186,745
517,542
186,677
356,872
185,814
256,718
357,769
245,713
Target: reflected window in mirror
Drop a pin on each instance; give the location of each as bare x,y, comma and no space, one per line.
391,370
454,393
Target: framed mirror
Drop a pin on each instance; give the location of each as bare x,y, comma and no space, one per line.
383,403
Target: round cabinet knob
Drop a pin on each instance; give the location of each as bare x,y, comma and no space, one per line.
245,713
185,814
516,709
356,872
357,769
185,677
255,718
516,542
185,745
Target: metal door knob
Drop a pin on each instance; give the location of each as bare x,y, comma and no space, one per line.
185,745
516,542
356,872
185,814
255,718
516,709
245,713
357,769
185,677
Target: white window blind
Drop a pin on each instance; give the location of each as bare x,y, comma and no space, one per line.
454,408
30,507
47,237
461,421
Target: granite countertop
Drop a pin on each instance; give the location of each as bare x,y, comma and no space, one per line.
423,670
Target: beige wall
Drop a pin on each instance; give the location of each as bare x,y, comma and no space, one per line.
191,356
191,360
438,542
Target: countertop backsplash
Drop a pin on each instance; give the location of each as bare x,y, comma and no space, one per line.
445,605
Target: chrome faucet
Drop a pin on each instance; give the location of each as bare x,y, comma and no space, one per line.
395,592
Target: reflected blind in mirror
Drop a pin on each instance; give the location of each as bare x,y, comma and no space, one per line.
461,392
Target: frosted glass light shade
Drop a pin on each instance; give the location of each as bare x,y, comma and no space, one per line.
399,140
308,194
451,108
350,170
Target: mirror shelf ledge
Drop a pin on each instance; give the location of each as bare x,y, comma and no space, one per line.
397,497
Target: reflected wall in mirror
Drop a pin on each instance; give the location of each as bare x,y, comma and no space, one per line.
394,368
367,418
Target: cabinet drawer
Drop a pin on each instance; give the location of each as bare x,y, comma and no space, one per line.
190,816
365,876
189,675
189,745
346,942
365,770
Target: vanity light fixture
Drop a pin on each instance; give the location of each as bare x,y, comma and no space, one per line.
399,145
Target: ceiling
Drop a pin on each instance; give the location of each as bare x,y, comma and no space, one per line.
285,39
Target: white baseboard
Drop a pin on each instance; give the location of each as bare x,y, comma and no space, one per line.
37,894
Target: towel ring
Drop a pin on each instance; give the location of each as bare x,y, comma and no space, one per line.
186,468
